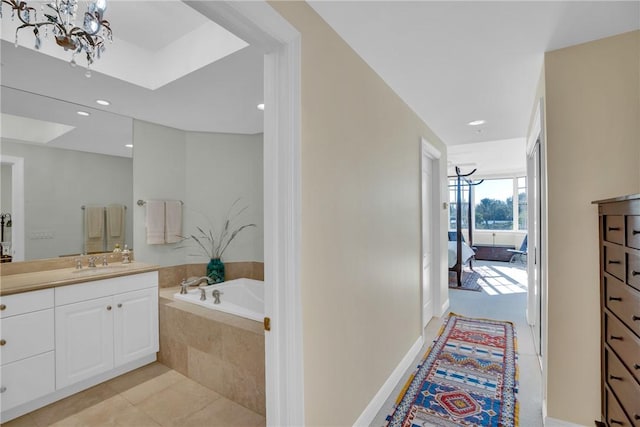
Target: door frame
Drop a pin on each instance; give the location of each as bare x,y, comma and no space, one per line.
429,153
263,27
537,137
17,205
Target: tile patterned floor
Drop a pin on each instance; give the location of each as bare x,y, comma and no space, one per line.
152,396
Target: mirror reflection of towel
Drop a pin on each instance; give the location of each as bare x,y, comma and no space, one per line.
115,226
94,229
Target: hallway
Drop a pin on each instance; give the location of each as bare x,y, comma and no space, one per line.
503,297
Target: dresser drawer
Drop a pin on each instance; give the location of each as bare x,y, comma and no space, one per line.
11,305
623,385
633,270
625,344
633,231
623,301
26,335
26,380
614,413
614,261
614,229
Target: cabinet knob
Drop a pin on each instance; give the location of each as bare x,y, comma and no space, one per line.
3,307
613,337
615,299
108,308
613,261
3,342
119,305
635,318
636,417
635,232
614,228
613,377
3,389
612,421
636,366
635,273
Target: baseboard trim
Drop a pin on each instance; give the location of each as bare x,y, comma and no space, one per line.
445,307
552,422
372,409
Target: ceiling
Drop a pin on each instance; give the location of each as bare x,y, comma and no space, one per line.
452,62
191,75
457,61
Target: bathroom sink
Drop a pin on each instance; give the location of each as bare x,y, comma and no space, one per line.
101,269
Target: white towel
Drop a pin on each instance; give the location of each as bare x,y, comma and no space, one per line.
173,221
115,226
155,222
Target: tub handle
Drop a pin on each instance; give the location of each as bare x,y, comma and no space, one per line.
203,294
216,296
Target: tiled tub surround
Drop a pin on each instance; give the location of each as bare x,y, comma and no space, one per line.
220,351
172,276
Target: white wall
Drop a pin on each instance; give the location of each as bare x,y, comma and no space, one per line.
57,183
208,172
222,168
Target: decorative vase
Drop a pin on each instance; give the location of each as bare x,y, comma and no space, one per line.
215,270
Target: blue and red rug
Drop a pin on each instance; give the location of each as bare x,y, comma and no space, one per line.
469,377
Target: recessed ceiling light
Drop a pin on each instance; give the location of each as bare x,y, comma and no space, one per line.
83,113
103,102
261,107
129,145
477,122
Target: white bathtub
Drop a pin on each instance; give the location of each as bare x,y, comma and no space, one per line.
242,297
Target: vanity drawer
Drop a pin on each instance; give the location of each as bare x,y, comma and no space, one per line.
25,302
614,261
105,287
633,270
26,335
614,413
614,229
633,231
623,301
27,380
623,385
624,343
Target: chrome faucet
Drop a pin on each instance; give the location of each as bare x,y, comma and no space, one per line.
193,281
78,263
91,261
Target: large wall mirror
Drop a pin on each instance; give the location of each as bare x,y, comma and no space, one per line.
74,158
190,113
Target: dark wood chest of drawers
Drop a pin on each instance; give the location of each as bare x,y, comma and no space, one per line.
620,310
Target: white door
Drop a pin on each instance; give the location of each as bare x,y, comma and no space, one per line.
84,340
135,325
427,247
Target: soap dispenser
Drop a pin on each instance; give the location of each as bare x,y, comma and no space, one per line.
126,255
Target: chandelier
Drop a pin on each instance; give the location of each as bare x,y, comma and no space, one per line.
60,17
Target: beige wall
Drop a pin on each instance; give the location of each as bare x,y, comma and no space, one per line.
360,224
593,146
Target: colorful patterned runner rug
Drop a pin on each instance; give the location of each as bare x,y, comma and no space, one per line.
467,378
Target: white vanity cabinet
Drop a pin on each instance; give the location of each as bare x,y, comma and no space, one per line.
27,368
103,325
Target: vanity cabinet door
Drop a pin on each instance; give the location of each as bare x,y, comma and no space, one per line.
135,325
84,340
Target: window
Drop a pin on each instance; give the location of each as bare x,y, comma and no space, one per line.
493,207
494,204
453,205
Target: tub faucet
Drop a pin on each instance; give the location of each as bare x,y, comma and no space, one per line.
193,281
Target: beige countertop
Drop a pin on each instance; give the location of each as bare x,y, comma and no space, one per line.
32,281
